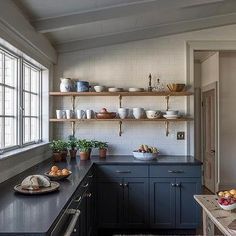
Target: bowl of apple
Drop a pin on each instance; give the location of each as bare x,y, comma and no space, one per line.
146,153
227,199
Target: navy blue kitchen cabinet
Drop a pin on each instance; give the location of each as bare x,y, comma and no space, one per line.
171,196
122,196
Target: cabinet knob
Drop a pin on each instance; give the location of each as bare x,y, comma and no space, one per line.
178,185
121,185
126,185
75,230
173,185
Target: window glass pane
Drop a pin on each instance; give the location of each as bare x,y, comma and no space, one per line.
34,81
26,104
10,132
26,126
1,100
10,71
34,129
34,105
1,75
9,101
26,78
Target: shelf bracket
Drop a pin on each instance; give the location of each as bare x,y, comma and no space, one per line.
120,126
120,101
73,128
73,103
167,128
167,102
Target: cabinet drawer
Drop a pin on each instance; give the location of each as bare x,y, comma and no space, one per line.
122,171
175,171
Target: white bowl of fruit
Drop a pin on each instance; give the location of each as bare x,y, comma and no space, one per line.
227,199
146,153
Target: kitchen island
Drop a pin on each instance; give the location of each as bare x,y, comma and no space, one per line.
37,215
214,215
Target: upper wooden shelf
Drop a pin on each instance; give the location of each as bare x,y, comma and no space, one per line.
166,93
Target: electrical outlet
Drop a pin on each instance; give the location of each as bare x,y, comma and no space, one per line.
180,135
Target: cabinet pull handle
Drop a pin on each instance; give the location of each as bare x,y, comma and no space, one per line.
173,185
72,224
89,195
121,185
123,171
86,185
90,176
176,171
126,185
78,199
178,185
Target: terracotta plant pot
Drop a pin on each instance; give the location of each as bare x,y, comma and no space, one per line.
102,152
84,156
56,156
64,155
73,153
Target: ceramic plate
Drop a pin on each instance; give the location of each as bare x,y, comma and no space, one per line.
51,177
171,116
54,187
135,89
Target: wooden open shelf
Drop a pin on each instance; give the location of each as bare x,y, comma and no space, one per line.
166,93
117,119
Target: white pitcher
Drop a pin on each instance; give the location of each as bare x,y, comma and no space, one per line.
66,85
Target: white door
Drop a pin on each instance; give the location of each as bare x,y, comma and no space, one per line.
209,140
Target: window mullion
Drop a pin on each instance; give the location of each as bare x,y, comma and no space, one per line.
21,105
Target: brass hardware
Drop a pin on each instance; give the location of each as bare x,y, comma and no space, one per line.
167,128
167,102
120,131
120,101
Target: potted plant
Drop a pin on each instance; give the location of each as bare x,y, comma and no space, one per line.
84,147
58,147
102,149
72,144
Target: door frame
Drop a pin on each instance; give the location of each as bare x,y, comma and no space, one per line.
191,46
212,86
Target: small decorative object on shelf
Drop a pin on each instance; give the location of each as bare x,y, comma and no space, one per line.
82,86
150,83
59,150
159,87
85,148
66,85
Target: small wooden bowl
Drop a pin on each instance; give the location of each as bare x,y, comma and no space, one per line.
59,177
176,87
107,115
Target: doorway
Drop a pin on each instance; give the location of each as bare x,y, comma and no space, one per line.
209,136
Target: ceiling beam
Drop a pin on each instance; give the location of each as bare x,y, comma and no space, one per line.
66,21
148,33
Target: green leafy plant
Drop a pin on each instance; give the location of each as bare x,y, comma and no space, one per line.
84,145
102,145
72,143
58,145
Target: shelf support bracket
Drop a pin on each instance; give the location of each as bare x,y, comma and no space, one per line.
120,101
167,128
120,128
167,102
73,103
73,128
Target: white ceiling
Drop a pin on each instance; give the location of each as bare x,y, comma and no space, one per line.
80,24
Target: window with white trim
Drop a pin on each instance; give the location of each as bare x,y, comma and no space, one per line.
20,101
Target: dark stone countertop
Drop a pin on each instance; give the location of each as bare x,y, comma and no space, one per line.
34,215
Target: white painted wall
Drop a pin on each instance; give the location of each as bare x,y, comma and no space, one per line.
227,118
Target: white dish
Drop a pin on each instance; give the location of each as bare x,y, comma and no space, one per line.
144,156
152,114
135,89
172,112
114,89
171,116
228,207
99,88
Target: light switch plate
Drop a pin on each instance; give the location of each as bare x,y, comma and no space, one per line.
180,135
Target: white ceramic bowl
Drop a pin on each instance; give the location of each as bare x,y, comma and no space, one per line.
172,112
135,89
152,114
123,112
99,88
228,207
144,156
115,89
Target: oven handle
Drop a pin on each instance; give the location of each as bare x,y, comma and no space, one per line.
72,224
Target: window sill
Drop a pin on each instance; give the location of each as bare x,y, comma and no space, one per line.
12,153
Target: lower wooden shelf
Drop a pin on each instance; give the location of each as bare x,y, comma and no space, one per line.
166,121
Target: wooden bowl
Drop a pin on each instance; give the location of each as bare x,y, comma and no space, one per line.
60,177
107,115
176,87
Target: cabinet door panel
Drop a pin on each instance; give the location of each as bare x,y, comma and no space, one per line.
109,201
136,202
162,202
187,210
